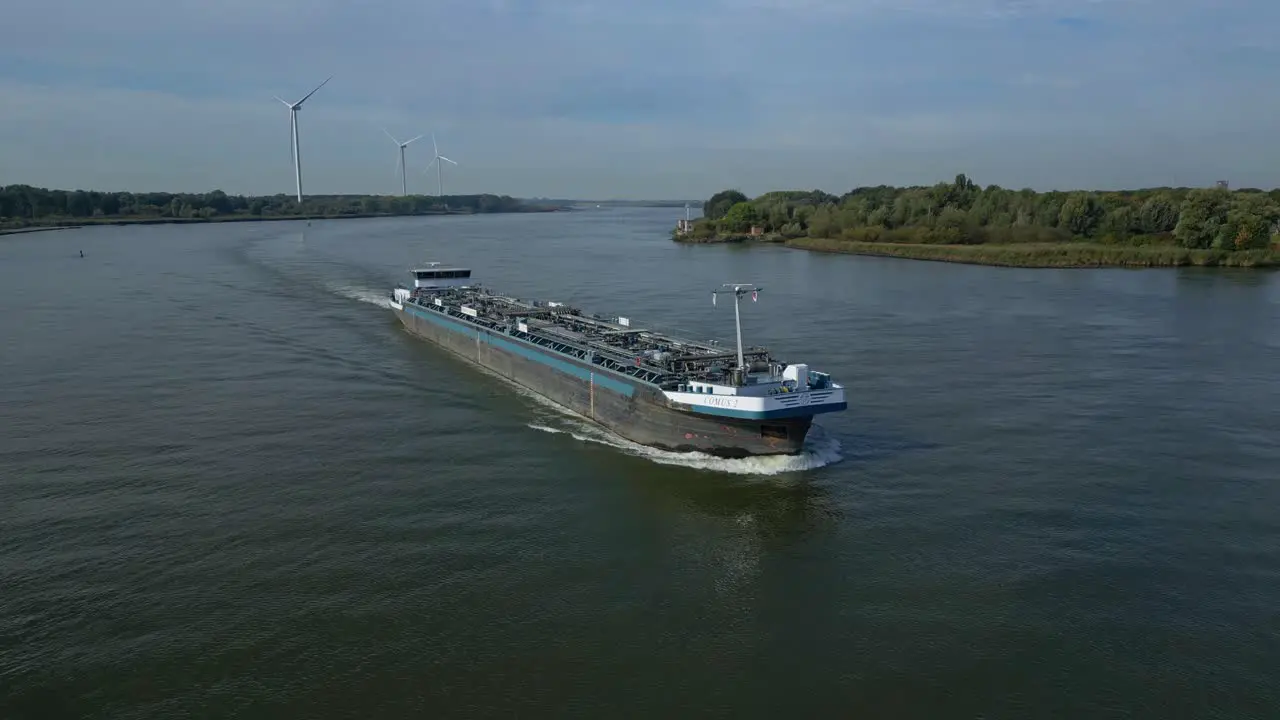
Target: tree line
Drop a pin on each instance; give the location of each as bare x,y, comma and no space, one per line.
962,213
26,205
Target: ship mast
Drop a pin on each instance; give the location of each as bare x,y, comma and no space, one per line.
738,290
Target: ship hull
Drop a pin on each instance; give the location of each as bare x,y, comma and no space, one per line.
633,410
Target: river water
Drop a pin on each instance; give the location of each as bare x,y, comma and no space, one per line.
231,485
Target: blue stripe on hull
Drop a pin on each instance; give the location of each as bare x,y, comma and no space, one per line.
768,414
531,352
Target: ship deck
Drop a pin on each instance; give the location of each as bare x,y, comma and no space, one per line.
650,356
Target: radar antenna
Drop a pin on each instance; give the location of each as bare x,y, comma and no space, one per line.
738,290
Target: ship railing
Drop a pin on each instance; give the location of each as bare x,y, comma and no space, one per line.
595,355
600,329
453,312
601,352
582,351
613,358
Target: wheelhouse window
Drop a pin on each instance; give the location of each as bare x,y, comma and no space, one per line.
442,274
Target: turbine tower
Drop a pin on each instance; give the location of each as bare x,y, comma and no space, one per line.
293,126
404,183
436,161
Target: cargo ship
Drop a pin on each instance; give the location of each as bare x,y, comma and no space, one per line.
641,384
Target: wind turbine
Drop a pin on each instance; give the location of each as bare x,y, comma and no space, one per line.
404,183
436,161
293,126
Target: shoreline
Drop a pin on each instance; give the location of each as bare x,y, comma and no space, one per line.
1067,255
36,229
78,223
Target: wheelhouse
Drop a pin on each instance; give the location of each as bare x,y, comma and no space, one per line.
433,275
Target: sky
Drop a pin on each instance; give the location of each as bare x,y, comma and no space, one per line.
660,99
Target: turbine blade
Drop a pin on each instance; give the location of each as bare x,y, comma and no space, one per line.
313,92
433,144
447,159
429,166
283,101
393,137
406,142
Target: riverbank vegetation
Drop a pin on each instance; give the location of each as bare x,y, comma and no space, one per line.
962,222
23,206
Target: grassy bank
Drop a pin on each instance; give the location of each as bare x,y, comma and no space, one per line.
964,222
724,238
26,230
65,223
24,206
1050,255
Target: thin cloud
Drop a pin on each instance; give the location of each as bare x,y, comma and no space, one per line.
945,8
654,99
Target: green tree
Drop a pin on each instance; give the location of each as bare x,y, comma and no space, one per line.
22,205
1080,214
718,205
1202,217
962,211
740,217
1249,224
822,223
1158,214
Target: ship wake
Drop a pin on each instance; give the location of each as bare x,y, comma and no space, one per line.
362,294
819,448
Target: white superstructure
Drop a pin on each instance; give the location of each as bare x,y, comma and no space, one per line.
794,390
759,390
432,276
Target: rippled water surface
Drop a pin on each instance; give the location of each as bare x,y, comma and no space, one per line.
230,485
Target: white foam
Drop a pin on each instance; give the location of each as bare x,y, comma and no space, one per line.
819,449
372,297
